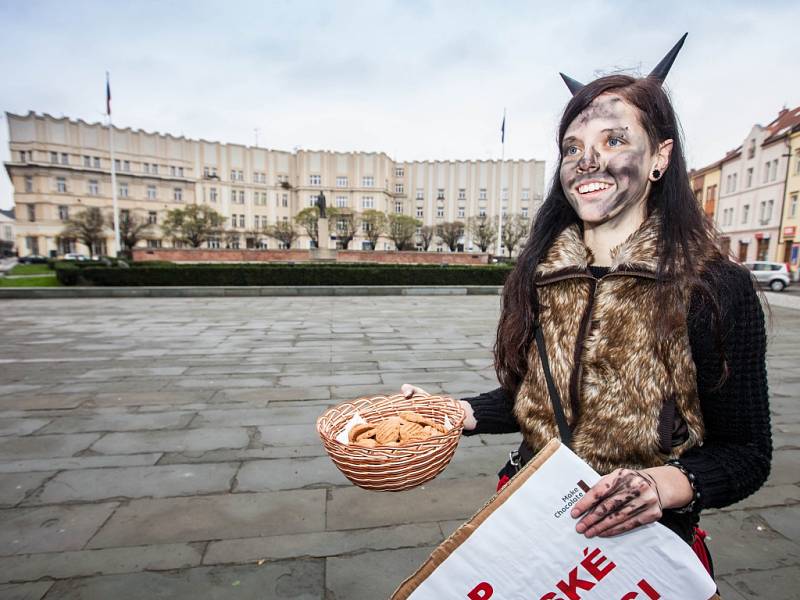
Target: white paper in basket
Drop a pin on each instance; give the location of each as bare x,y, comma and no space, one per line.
343,436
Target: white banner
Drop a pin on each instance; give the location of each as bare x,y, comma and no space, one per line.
523,545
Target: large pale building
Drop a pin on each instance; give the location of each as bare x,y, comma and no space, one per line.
753,184
789,250
59,166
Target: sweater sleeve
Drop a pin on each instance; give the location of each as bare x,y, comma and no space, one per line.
493,413
734,460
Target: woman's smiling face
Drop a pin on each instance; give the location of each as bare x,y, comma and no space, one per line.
606,160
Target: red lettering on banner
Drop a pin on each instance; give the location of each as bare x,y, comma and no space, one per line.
482,591
592,564
573,583
549,596
646,588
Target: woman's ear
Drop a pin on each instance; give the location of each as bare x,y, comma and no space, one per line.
662,157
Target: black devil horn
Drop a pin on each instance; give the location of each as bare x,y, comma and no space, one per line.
574,86
661,69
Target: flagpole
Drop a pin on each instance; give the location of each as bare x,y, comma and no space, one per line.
117,248
500,203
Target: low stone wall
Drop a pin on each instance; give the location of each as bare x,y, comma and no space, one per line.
179,255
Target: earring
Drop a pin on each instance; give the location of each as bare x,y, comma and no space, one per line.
656,174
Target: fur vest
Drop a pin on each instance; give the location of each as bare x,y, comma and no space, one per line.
623,382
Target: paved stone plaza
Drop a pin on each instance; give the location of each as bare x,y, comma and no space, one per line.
165,448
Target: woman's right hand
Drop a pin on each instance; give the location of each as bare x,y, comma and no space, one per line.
470,423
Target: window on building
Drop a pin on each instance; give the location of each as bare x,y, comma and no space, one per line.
241,220
751,149
399,188
440,211
213,242
117,165
341,201
364,227
152,217
774,172
367,202
256,222
793,205
96,161
797,167
32,213
125,215
54,158
745,213
524,211
63,213
212,194
64,158
420,212
482,194
440,194
461,212
526,194
766,172
28,183
735,177
768,211
367,181
285,200
504,193
399,172
398,208
462,194
180,171
420,194
123,190
482,211
314,180
93,187
341,181
172,170
61,184
154,243
241,196
87,161
233,220
312,200
126,165
749,177
151,192
177,194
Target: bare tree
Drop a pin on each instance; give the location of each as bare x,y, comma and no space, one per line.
483,231
87,226
375,223
426,233
132,229
285,232
450,233
347,224
192,225
515,229
308,219
402,229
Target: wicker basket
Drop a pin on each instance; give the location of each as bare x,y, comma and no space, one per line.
391,469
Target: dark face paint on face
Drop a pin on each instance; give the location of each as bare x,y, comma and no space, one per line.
605,145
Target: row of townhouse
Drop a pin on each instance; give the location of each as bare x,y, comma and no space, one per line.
59,166
752,193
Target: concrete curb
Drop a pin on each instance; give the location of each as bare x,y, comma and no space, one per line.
234,291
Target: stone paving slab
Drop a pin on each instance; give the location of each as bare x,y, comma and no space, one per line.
14,487
50,528
83,563
89,485
172,441
95,402
295,580
170,520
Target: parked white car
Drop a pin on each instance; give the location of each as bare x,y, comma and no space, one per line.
772,274
74,256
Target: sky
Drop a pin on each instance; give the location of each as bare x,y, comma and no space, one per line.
416,79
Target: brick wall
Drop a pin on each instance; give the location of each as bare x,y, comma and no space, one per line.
343,256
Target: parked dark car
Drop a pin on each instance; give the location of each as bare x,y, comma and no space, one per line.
33,259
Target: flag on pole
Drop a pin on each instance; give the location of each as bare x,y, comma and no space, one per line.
108,95
503,130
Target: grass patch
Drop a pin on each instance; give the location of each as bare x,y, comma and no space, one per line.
30,270
51,281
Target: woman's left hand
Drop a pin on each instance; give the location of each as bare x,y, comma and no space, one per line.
620,501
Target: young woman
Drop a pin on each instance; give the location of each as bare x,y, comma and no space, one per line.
654,341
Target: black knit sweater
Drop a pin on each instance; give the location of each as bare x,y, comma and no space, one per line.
734,460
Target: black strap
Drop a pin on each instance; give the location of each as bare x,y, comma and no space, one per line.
564,430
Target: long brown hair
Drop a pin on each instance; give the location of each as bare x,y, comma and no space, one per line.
684,228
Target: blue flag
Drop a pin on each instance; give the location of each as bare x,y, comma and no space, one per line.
503,131
108,96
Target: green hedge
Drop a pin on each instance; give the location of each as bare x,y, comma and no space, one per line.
282,275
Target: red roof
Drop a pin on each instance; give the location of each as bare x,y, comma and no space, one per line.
783,124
